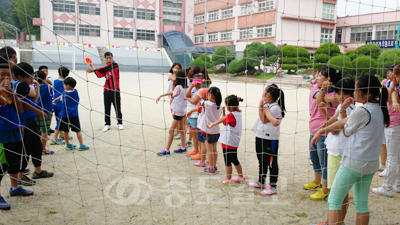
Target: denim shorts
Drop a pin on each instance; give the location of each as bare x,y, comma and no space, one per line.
319,157
192,122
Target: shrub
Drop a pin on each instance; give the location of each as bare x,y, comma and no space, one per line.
202,61
372,50
364,65
328,49
343,64
388,57
222,55
236,66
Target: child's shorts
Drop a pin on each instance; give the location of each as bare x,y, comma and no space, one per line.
230,157
179,117
210,138
199,136
333,166
192,122
43,125
72,124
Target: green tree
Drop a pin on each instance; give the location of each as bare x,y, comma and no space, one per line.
372,50
252,54
31,8
343,64
327,50
271,55
202,61
387,58
222,55
364,65
292,58
351,54
236,66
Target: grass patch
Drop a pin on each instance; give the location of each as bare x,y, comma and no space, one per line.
266,76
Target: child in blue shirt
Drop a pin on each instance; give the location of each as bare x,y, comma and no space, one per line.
58,89
69,113
10,134
45,104
32,143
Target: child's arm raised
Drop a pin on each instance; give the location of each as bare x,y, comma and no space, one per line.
166,94
220,120
266,115
194,100
189,91
37,91
322,107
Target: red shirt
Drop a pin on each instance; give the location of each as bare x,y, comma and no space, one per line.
111,73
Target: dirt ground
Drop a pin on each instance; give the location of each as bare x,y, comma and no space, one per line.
121,180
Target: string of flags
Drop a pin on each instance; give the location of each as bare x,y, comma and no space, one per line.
134,48
66,44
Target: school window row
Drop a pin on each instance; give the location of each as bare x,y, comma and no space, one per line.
172,12
328,11
262,31
263,5
94,9
326,35
94,31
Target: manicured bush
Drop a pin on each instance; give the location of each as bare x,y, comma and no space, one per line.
202,61
222,55
364,65
236,66
343,64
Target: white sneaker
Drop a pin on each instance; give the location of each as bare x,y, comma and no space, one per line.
383,173
396,188
120,126
382,191
381,167
106,128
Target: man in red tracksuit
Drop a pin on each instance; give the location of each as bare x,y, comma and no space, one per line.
111,89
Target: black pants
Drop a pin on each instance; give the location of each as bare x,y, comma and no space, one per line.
13,152
32,144
113,97
267,155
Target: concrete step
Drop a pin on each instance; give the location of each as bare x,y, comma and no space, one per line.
25,56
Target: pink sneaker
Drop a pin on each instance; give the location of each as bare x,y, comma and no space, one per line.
200,164
257,185
241,180
226,182
207,161
269,191
210,170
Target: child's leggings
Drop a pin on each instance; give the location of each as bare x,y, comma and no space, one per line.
345,179
267,155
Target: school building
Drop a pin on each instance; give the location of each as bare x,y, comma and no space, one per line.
378,28
193,23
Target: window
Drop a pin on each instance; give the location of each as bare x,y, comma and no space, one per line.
148,35
63,6
64,28
266,5
198,39
246,9
338,36
146,14
198,1
328,11
89,8
89,30
120,11
227,13
326,35
385,32
120,32
172,10
212,37
359,34
226,36
199,19
213,15
246,33
264,31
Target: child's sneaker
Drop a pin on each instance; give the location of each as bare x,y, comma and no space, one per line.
26,181
226,182
210,170
47,152
26,171
83,147
200,164
384,173
3,204
257,185
163,152
56,142
312,185
177,136
180,150
319,195
61,138
269,191
20,191
188,144
70,147
240,180
207,161
43,174
192,153
196,157
215,167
